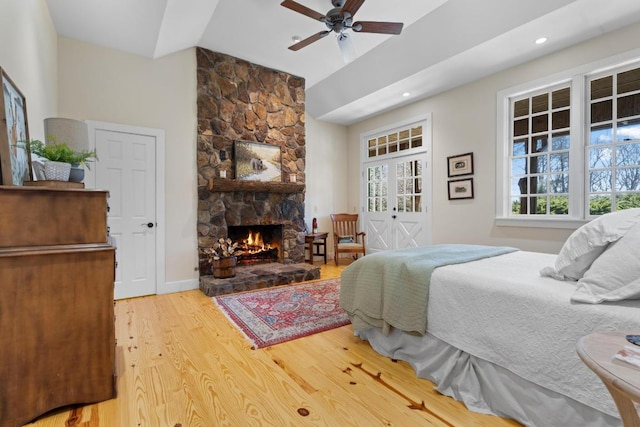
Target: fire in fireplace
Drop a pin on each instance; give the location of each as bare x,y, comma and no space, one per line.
257,244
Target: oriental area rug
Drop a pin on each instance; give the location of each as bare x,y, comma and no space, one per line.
284,313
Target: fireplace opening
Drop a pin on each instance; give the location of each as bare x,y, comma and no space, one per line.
257,244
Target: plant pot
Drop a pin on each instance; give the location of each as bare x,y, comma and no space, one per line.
224,267
76,175
57,171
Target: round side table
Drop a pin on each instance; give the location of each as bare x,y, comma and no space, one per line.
621,379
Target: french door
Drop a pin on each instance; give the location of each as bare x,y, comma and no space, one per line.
396,202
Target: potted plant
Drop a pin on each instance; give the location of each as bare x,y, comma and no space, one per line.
223,261
62,159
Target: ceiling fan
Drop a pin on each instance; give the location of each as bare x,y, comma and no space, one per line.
338,20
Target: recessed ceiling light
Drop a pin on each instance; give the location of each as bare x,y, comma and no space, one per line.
296,39
406,94
541,40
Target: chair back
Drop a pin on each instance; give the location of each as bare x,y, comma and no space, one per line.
345,224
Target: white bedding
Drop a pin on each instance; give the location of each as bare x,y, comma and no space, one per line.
501,310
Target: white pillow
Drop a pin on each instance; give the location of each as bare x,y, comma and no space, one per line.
589,241
614,275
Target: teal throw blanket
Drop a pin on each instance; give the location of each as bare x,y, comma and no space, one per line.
391,288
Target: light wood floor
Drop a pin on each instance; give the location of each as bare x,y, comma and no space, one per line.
181,363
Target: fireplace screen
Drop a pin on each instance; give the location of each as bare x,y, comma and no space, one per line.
257,244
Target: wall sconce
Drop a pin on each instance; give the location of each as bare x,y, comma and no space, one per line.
292,178
223,174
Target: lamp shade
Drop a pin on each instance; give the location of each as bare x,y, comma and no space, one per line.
74,133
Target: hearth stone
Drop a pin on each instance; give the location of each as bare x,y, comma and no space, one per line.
260,276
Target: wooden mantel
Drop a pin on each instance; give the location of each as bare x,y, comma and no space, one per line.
234,185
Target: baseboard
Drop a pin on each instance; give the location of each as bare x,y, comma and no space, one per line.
179,286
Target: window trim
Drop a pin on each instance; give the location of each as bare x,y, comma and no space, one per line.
576,78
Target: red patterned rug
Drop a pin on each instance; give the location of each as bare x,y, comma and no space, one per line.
284,313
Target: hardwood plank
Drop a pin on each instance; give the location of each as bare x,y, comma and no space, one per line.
181,362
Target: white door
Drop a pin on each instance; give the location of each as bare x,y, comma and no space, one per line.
126,167
395,211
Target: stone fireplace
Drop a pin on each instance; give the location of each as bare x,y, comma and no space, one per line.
240,101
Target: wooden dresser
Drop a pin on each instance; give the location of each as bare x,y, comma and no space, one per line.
57,332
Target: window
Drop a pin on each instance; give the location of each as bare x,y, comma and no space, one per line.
571,149
539,146
614,142
392,142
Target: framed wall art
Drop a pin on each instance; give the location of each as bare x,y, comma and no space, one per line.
257,162
15,155
461,189
460,165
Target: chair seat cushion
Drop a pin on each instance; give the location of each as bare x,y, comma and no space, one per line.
349,246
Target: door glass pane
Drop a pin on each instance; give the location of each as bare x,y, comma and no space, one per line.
417,204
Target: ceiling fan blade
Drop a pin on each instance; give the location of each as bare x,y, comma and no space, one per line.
300,8
377,27
352,6
308,40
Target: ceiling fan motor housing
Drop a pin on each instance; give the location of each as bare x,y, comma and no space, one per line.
335,20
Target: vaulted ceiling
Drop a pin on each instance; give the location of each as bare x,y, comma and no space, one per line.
444,43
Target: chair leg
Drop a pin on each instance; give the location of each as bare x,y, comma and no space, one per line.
336,256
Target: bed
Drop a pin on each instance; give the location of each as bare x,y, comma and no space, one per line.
500,329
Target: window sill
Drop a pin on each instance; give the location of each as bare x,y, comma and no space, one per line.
565,223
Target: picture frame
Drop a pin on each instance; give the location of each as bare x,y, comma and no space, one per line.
460,189
15,153
460,165
255,161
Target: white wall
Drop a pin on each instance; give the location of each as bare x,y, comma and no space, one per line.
106,85
464,119
326,174
28,54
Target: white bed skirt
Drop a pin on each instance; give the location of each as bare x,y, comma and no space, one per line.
483,386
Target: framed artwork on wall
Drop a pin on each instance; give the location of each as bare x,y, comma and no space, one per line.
460,165
15,155
257,162
461,189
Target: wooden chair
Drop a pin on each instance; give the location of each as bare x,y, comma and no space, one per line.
346,237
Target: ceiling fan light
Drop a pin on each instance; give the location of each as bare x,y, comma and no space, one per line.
346,47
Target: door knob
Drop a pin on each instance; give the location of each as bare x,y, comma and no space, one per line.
149,224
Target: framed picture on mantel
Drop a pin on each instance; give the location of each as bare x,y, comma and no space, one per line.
257,162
